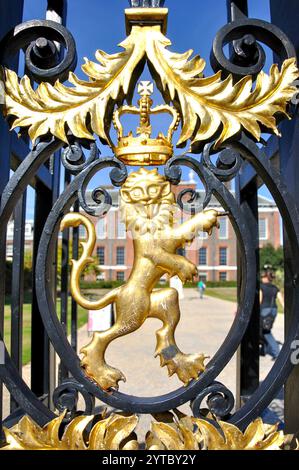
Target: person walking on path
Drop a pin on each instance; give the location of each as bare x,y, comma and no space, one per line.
201,287
269,293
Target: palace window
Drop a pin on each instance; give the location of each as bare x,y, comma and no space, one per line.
202,256
101,229
101,255
263,229
202,235
223,228
222,276
120,276
121,230
223,256
120,255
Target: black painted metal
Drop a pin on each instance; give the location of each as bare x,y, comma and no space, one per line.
74,305
37,37
41,168
285,15
249,57
17,293
248,353
9,18
17,185
64,295
220,401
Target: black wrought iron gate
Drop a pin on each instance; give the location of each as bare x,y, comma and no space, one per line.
41,168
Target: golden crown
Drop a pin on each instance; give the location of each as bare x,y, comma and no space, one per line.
143,150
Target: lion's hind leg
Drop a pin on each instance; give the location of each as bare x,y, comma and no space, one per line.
131,311
93,360
165,307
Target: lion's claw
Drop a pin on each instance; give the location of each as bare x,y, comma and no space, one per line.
186,366
105,376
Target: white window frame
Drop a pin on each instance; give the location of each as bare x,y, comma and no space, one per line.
100,236
203,235
225,237
266,228
120,223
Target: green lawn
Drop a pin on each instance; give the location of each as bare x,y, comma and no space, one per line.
223,293
82,319
228,293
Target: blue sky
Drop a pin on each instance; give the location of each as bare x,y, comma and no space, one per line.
99,24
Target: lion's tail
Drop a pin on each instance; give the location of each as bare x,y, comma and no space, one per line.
97,304
74,219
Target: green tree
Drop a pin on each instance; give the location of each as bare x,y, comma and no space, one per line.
272,256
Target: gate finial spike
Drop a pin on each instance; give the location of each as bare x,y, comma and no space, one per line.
146,3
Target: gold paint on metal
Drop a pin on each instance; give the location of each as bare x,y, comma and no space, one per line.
112,433
116,432
189,433
207,105
143,150
146,16
148,207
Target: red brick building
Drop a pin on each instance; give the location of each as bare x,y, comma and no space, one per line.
215,255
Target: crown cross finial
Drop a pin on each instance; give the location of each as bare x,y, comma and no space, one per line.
145,88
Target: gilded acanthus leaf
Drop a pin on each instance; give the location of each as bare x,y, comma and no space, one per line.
50,108
112,433
209,104
116,432
257,436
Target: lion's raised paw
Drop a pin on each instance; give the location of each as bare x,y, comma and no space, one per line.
186,366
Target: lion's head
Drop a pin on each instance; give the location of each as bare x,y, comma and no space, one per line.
147,202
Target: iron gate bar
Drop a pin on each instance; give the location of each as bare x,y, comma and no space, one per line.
285,14
64,296
17,292
19,151
74,305
248,352
247,173
8,19
282,367
13,192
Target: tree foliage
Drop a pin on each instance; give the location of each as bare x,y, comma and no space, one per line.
271,256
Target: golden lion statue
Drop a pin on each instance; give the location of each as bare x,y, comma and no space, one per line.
147,206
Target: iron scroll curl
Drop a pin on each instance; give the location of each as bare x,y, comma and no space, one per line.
249,56
38,39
